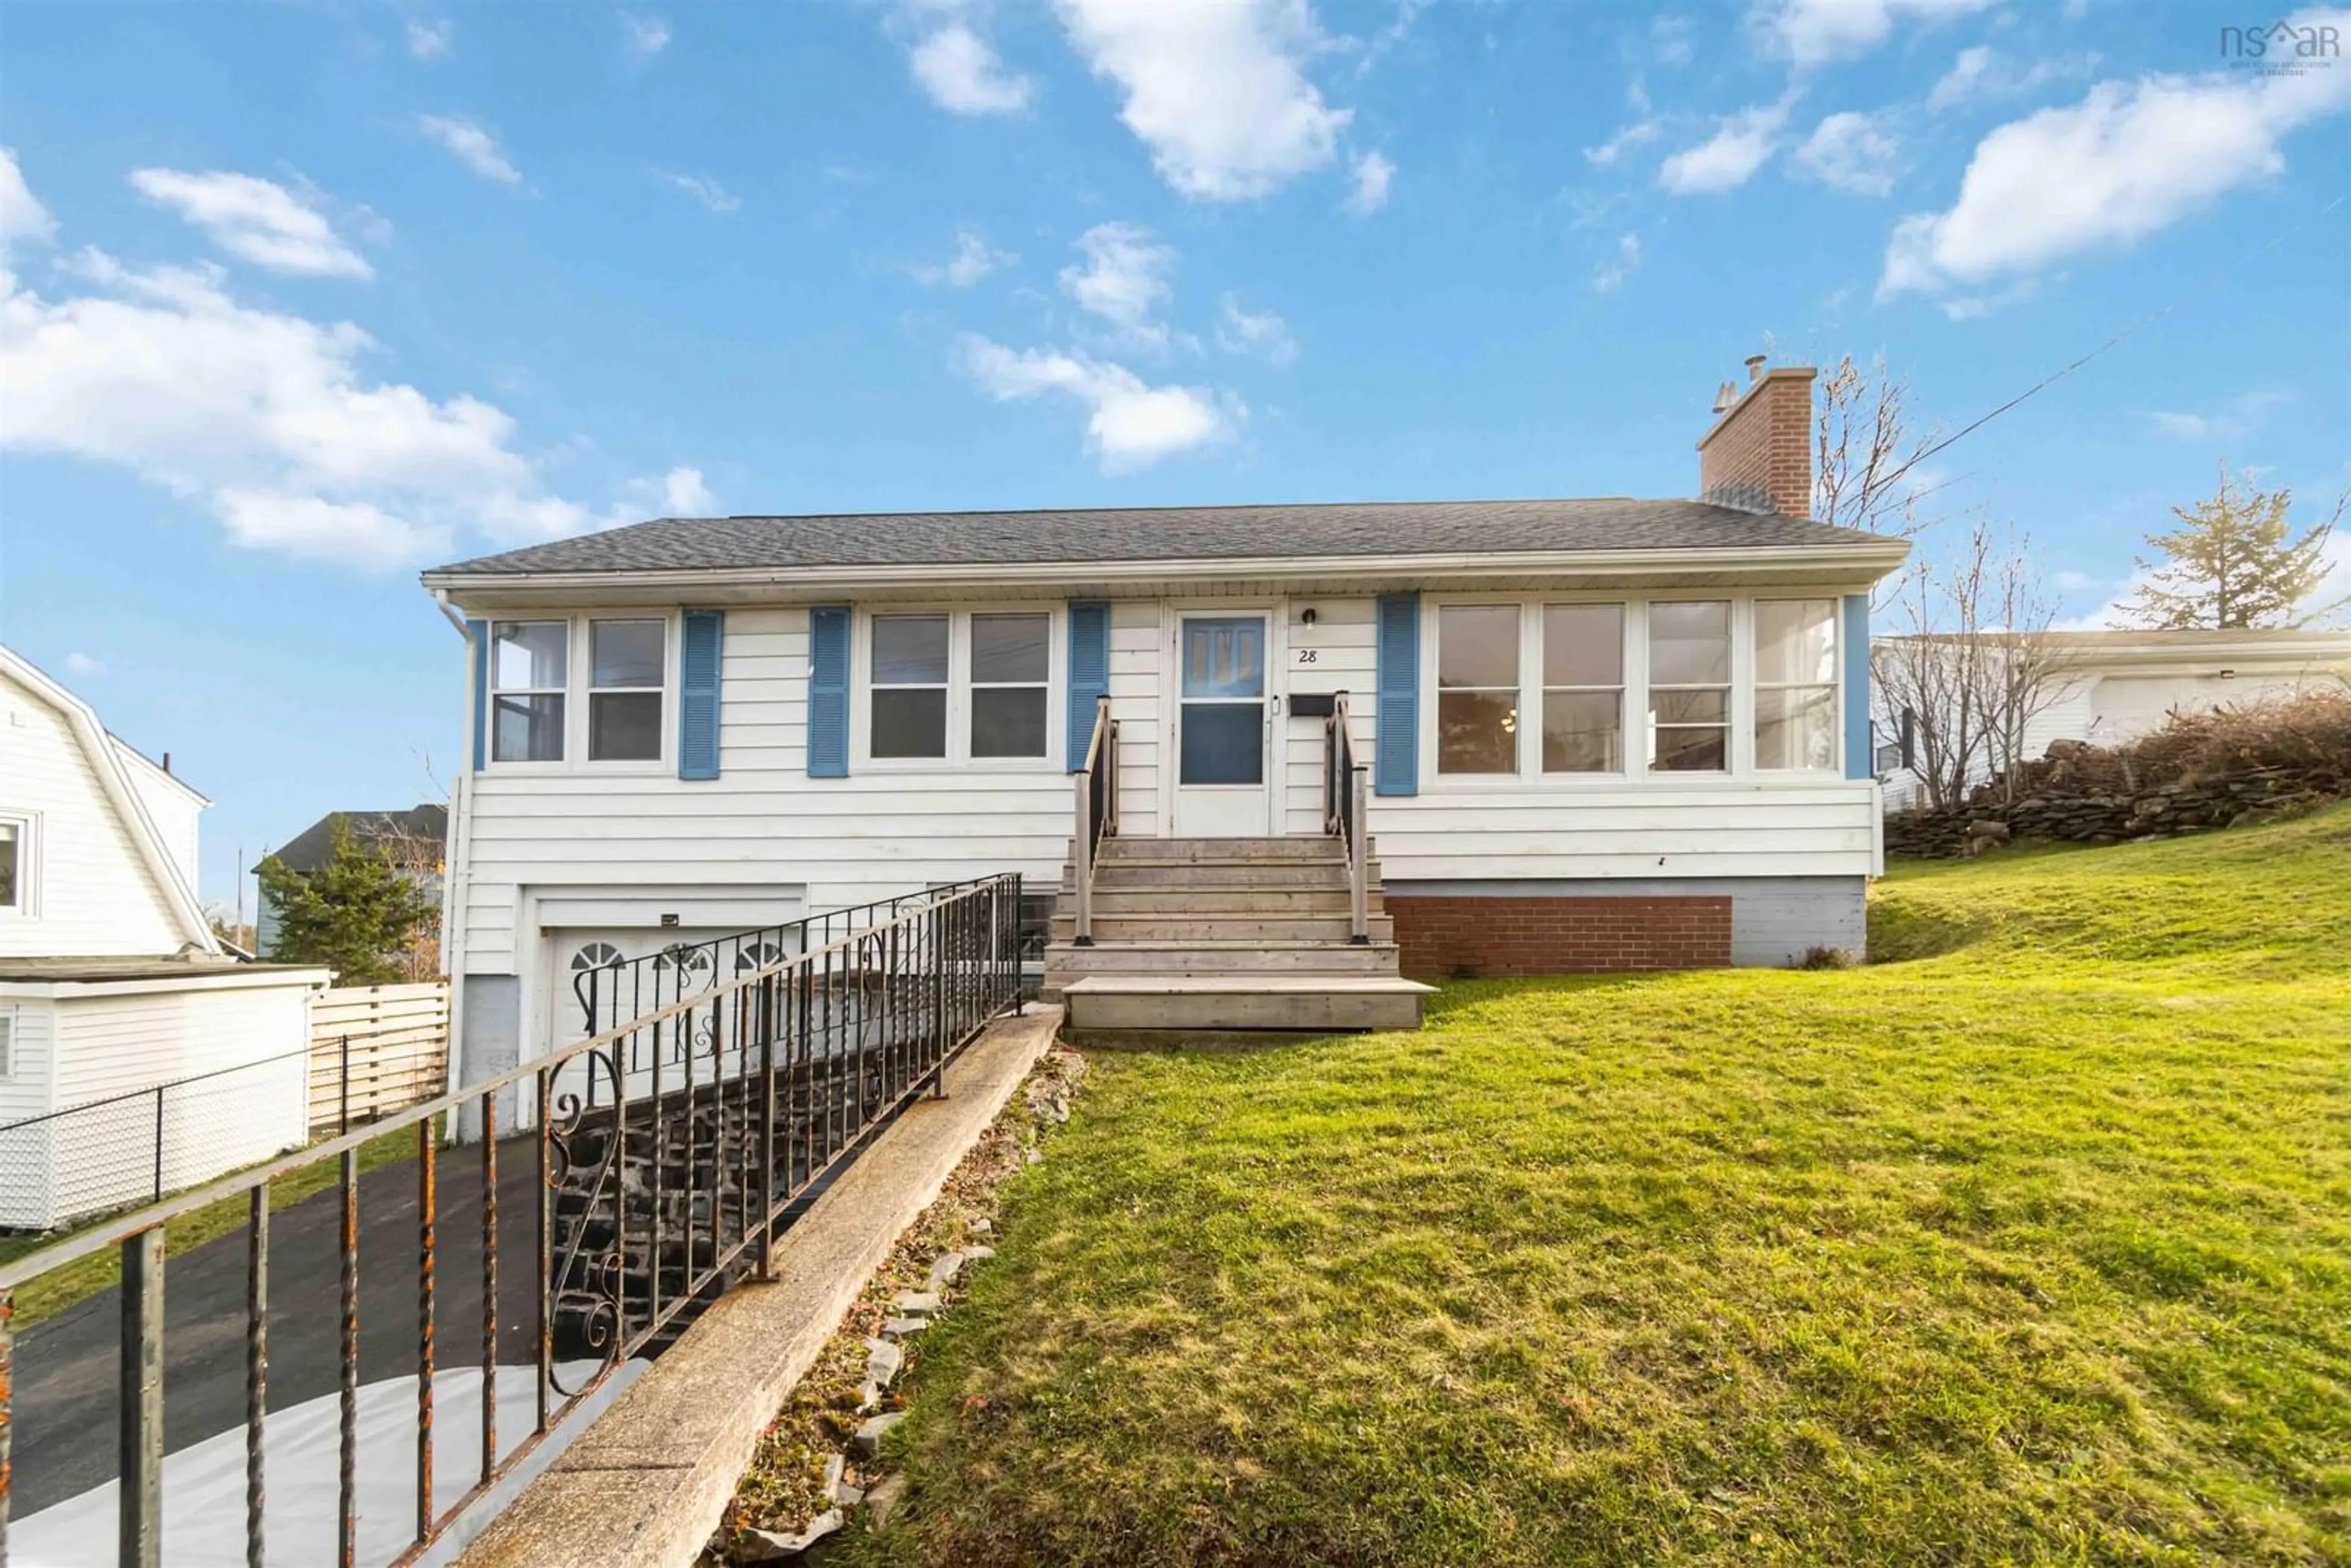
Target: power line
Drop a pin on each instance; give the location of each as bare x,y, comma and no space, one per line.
2146,322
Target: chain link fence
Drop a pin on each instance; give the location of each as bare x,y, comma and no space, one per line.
135,1148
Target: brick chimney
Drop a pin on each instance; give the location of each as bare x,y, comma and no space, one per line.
1759,454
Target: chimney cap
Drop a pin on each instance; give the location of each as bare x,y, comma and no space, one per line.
1755,366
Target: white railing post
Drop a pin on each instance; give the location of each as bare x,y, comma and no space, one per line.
1081,859
1359,841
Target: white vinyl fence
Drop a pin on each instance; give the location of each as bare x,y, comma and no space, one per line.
375,1050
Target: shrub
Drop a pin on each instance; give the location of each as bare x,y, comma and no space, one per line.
2307,737
1824,956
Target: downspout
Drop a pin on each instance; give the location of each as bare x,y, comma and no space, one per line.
456,859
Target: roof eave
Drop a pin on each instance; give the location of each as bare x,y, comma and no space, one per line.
1873,557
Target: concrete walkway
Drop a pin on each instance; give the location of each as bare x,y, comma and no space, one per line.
644,1487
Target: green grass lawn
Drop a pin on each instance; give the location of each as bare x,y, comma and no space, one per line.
2034,1247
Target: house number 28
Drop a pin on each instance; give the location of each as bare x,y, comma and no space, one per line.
1306,655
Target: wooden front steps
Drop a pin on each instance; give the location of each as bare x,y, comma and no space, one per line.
1226,935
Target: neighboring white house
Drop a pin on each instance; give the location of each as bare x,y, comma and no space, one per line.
2114,686
1606,733
112,982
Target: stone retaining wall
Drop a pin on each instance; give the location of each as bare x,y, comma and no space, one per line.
2186,807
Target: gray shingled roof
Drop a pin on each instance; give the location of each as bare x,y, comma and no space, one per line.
1161,533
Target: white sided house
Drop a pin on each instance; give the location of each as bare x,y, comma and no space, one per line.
111,983
2112,686
1596,734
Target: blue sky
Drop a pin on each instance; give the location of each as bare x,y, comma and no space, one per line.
304,297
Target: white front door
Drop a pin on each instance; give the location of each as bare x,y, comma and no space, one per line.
1222,728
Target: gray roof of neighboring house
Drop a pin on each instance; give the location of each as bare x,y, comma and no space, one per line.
1162,533
315,845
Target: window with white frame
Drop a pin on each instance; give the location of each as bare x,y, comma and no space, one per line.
7,1043
910,686
626,673
529,672
1584,688
960,686
1011,665
1689,687
16,865
1478,688
1795,683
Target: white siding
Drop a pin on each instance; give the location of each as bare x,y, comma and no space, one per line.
26,1153
113,1045
171,808
1137,650
762,821
2123,707
1344,661
1633,830
95,896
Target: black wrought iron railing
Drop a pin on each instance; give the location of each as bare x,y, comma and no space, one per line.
662,1154
1345,787
608,989
1097,817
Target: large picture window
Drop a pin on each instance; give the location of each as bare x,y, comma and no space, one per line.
1584,688
1689,687
529,669
1478,688
953,686
1795,683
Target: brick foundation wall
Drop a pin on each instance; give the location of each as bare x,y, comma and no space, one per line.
1445,936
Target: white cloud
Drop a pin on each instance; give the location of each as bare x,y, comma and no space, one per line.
1727,159
973,260
1640,133
1815,32
2232,422
1124,279
2130,159
1374,175
643,37
1981,73
472,146
1857,154
1241,331
1970,77
267,419
83,665
679,493
1610,274
22,216
428,40
708,191
961,72
1671,40
1129,424
265,224
1215,90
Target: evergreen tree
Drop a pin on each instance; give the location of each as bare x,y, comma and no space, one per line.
2232,565
356,915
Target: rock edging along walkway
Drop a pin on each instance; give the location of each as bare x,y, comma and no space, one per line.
645,1485
826,1453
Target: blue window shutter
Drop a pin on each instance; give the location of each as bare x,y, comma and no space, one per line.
827,720
697,693
1395,755
1859,763
1089,673
477,636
